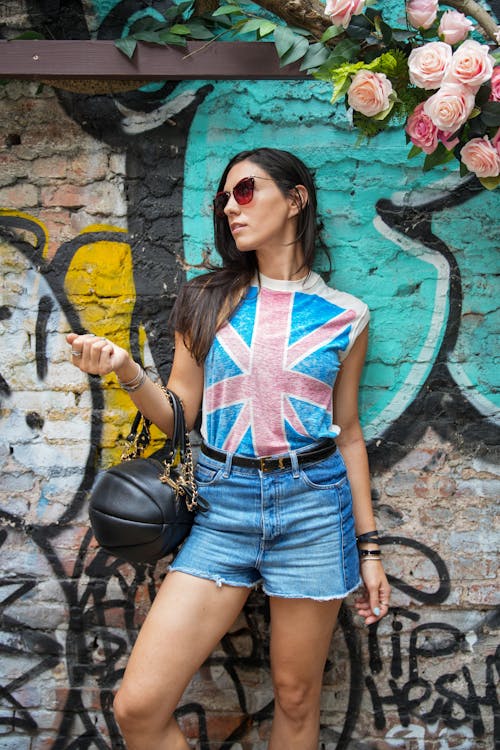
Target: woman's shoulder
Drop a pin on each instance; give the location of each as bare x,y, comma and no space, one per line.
338,297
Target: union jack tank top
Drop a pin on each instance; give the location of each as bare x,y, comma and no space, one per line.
270,371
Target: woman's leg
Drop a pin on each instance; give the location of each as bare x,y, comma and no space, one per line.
301,631
187,619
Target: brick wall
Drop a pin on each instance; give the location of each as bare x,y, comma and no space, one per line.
104,209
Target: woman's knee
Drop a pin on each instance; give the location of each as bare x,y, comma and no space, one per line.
133,711
299,700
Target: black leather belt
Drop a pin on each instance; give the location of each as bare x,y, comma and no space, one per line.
271,463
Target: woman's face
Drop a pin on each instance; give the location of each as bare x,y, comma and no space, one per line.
268,221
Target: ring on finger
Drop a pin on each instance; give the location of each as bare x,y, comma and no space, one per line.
74,353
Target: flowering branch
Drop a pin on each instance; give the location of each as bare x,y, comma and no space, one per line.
430,78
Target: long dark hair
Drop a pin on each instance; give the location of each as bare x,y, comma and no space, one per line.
206,302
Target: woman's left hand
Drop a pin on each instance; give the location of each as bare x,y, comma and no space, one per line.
373,603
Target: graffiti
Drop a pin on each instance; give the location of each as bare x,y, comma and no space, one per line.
449,699
69,613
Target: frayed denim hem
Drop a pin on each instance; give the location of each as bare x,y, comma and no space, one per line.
314,598
218,580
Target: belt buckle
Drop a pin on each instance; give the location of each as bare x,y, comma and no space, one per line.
263,459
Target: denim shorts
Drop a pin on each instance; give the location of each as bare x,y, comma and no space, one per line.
291,530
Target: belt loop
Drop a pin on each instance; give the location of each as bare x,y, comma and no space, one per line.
295,464
229,463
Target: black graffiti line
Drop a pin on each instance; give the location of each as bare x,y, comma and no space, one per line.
434,597
45,307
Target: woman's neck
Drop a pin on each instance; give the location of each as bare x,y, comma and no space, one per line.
288,265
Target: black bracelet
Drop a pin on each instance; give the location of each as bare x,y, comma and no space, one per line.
370,553
369,536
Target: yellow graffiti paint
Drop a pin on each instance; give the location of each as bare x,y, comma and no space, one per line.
100,285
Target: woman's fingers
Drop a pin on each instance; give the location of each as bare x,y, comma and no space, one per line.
373,603
91,353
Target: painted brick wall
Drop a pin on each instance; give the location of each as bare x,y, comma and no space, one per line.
104,209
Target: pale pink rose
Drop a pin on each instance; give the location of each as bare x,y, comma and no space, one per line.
450,106
495,85
341,11
369,93
428,64
421,13
454,27
470,65
481,157
422,131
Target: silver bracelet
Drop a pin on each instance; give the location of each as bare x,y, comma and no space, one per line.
136,382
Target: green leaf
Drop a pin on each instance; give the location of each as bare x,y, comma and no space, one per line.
198,30
260,25
490,114
147,36
440,156
147,23
126,45
344,51
315,56
296,51
283,39
180,29
331,32
226,10
183,7
29,35
267,27
490,183
414,151
165,37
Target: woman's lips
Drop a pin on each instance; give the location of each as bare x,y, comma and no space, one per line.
236,227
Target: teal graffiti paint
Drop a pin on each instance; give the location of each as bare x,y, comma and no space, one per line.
404,283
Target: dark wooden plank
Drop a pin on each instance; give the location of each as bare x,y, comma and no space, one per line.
101,60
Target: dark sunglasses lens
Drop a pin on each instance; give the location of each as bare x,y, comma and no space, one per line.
243,191
220,203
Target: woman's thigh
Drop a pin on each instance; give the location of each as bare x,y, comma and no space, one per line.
301,632
187,619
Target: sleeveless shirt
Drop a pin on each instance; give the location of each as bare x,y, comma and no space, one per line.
269,374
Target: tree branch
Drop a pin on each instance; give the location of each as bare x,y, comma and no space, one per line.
307,14
205,6
476,11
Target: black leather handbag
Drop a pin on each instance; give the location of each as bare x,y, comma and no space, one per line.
143,508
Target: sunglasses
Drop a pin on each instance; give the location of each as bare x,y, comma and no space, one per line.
242,194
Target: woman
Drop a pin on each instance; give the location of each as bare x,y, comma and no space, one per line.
261,341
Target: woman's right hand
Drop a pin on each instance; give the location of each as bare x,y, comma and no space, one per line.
96,355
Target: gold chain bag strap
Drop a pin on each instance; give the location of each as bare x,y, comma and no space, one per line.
178,470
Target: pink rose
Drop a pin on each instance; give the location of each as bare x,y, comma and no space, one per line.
471,64
450,107
454,27
421,13
480,157
428,64
422,131
369,93
341,11
495,85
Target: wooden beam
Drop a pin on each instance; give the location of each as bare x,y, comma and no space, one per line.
101,60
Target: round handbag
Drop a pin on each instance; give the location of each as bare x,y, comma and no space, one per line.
143,508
